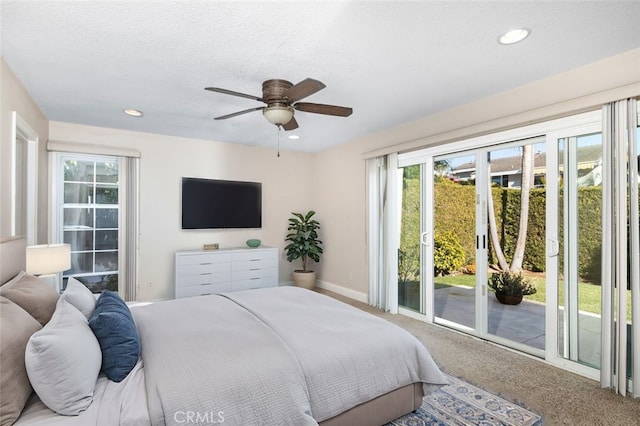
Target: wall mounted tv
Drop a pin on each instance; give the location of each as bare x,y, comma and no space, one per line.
220,204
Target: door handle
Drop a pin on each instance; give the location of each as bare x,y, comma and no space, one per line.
423,238
554,247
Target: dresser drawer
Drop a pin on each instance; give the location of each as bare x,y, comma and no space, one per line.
254,273
205,278
204,259
254,255
200,269
250,265
249,284
201,290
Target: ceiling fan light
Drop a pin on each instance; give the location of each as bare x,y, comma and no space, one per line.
278,115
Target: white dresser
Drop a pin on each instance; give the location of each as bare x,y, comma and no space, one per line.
207,272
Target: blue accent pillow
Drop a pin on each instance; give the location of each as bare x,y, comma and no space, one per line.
113,325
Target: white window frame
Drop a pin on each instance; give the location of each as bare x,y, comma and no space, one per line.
57,201
22,131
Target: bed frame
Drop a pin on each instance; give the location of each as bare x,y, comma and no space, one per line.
378,411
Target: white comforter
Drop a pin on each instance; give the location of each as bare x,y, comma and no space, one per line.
348,356
280,356
207,360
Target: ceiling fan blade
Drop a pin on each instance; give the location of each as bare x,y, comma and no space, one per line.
232,93
323,109
303,89
224,117
291,125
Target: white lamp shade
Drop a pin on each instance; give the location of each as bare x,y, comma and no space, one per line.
48,258
278,115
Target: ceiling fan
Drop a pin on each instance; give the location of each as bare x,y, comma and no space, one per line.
282,99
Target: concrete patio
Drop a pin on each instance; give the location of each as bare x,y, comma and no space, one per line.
523,323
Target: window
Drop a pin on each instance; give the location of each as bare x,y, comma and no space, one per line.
24,189
91,218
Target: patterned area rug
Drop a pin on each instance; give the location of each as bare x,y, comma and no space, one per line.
460,404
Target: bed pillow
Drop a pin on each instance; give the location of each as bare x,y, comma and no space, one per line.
63,361
80,296
12,281
16,327
35,296
117,334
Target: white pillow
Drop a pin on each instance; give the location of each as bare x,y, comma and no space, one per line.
80,296
63,361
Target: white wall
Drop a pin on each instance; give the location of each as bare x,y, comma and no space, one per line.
13,97
339,183
165,160
339,199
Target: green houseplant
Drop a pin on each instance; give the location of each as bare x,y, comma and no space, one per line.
305,245
510,287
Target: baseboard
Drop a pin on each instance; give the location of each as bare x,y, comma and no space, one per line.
343,291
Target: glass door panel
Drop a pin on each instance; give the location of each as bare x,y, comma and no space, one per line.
516,221
454,239
410,253
580,232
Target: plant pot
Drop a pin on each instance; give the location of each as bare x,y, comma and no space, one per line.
304,279
507,299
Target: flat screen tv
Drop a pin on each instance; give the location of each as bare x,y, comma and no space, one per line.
220,204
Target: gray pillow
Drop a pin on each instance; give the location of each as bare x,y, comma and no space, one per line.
35,296
16,326
63,361
80,296
12,281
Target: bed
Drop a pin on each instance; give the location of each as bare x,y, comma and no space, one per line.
277,356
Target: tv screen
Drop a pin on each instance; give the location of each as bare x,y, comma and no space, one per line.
217,204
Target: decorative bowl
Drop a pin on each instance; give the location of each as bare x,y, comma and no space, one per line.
254,243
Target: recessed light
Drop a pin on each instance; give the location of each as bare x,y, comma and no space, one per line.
294,137
132,112
514,36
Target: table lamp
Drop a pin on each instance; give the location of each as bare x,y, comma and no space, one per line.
47,260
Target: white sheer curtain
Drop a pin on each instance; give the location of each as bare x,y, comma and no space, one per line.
129,257
382,182
620,269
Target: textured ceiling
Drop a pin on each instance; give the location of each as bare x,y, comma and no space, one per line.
391,61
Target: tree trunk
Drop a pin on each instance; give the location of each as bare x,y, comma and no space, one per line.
525,189
493,229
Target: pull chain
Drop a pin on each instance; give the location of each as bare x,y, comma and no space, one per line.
279,130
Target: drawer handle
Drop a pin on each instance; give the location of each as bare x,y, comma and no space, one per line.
205,294
205,284
205,273
208,263
256,278
254,260
254,269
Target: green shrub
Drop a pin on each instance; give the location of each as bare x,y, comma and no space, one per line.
448,255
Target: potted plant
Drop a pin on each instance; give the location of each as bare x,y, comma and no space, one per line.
509,287
304,245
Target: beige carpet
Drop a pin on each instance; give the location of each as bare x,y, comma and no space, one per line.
560,397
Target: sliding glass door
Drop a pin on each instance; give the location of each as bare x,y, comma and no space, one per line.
555,204
516,201
452,205
453,192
